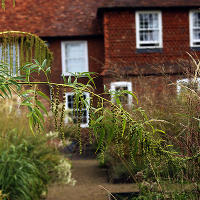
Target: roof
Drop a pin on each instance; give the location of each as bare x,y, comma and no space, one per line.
68,17
151,3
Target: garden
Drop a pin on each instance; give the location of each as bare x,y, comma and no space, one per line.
154,144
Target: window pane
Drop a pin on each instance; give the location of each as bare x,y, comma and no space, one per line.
6,58
74,114
75,65
75,57
196,34
149,35
148,20
124,97
75,50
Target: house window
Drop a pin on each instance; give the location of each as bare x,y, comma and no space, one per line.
11,61
148,29
73,111
195,28
74,57
118,87
186,84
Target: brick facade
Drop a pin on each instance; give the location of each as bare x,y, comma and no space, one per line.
123,61
120,42
95,58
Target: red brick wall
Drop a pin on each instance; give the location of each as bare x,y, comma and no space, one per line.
95,57
153,89
120,42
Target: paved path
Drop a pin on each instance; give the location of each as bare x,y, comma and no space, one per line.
90,180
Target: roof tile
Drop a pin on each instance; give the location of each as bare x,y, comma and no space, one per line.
68,17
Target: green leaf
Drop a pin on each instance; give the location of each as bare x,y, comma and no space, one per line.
99,119
2,88
39,114
8,89
27,92
39,104
64,79
43,95
44,64
123,126
31,124
69,80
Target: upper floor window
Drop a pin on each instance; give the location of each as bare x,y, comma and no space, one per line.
74,57
73,112
116,87
9,55
195,28
148,29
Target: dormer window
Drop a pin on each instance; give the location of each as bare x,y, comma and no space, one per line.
148,29
195,28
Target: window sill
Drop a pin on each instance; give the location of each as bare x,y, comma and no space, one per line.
149,50
195,48
70,74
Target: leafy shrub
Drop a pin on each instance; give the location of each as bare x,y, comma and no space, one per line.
28,163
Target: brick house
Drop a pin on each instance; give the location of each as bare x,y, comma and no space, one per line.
119,39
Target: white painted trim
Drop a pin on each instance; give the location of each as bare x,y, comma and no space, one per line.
114,85
87,107
191,28
160,39
64,72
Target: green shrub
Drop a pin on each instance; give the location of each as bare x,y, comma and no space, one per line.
28,164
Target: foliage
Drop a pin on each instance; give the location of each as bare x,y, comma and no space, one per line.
27,163
172,196
3,4
24,47
127,134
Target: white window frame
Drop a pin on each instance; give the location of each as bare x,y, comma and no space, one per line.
114,85
180,82
8,56
137,22
63,56
192,41
87,107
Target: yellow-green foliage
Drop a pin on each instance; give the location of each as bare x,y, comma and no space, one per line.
27,48
3,4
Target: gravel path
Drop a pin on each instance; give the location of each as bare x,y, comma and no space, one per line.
90,183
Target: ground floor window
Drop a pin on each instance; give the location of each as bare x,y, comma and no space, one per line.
186,84
116,92
73,112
